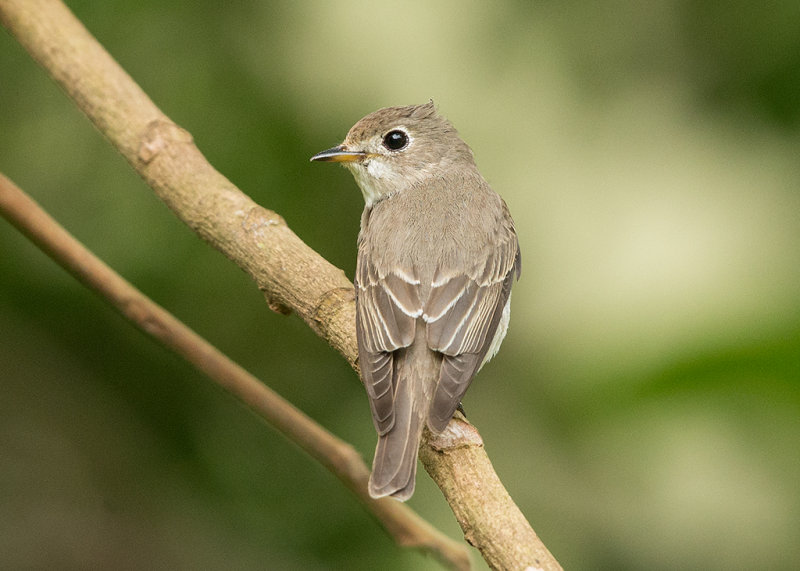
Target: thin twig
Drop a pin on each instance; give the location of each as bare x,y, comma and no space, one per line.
407,528
291,275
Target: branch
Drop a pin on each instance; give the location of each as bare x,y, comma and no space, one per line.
405,526
291,275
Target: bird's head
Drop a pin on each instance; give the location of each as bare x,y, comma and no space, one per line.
396,147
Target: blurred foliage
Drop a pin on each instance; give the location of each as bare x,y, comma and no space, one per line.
644,411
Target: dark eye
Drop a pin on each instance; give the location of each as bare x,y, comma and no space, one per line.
395,140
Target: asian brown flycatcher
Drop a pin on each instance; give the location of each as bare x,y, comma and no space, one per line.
437,254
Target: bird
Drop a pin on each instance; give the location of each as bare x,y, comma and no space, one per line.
437,255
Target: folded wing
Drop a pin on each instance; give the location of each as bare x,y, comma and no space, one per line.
388,307
463,313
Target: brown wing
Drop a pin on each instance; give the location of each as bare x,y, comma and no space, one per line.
462,308
463,313
387,308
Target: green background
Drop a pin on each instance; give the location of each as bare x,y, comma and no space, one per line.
644,411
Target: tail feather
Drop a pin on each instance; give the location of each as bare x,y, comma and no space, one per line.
395,465
415,372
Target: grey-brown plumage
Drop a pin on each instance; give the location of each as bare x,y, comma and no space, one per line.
437,254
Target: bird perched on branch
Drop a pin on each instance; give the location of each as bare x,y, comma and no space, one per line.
437,254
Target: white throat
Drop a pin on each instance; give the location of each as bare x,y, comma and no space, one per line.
377,180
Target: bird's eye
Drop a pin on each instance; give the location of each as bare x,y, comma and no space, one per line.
395,140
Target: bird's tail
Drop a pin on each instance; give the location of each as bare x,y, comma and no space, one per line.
395,465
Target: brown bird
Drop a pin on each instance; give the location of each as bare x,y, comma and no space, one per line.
437,254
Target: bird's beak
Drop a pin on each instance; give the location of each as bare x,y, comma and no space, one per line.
339,154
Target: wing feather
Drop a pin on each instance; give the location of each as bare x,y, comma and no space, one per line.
386,311
466,329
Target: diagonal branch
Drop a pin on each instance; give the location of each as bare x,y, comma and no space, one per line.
291,275
405,526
